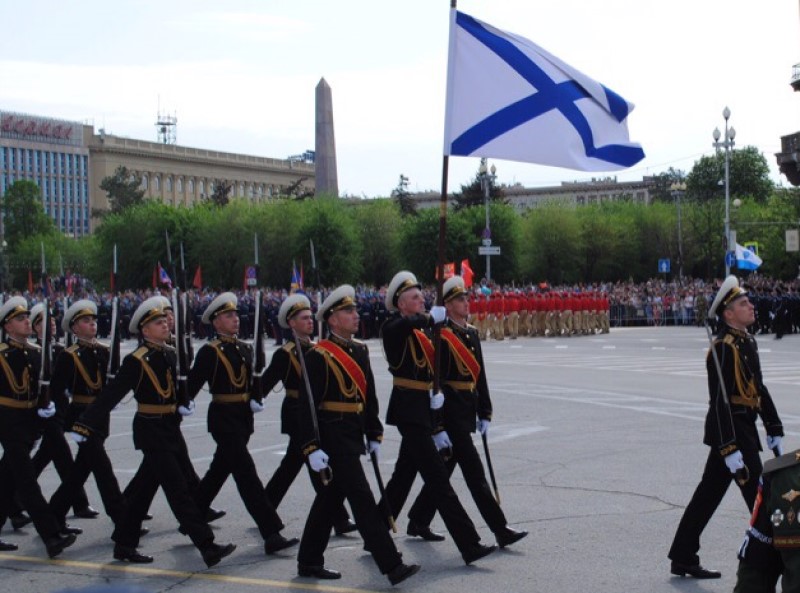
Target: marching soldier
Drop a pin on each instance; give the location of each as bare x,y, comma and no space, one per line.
20,412
466,403
737,397
226,365
409,352
295,314
342,393
79,376
150,373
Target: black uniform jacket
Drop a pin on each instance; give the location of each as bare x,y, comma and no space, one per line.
78,378
19,389
285,367
466,395
225,364
332,384
404,351
150,373
731,425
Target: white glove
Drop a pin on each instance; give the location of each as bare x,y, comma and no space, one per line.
318,460
438,313
734,461
437,401
187,410
47,412
775,443
78,438
442,440
374,447
483,426
256,406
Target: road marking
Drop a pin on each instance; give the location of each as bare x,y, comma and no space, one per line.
202,576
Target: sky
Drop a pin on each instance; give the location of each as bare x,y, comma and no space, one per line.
240,75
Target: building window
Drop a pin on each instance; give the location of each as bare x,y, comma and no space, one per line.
145,181
168,184
157,183
202,189
191,186
180,185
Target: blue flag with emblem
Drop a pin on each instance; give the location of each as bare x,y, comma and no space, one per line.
746,259
508,98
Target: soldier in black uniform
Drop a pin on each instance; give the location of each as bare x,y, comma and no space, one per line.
730,428
295,314
345,414
226,365
466,400
150,373
409,352
20,412
79,376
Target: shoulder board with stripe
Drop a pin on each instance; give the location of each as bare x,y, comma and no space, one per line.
140,352
288,347
3,347
214,343
72,349
34,347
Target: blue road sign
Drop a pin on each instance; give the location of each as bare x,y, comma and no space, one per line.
730,259
663,266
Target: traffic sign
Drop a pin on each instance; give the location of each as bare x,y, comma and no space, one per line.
489,250
663,266
487,242
730,259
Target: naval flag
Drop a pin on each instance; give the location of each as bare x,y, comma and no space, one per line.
746,259
508,98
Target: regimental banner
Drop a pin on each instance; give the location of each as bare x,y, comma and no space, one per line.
20,126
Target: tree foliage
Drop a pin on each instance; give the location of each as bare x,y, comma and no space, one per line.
123,189
748,173
23,213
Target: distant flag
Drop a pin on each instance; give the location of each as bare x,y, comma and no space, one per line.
466,273
302,277
746,259
296,283
508,98
449,270
155,276
197,282
30,281
163,277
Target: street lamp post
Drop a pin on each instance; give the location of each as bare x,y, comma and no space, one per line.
677,192
487,176
727,144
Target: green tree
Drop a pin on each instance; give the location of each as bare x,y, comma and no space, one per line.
550,248
331,225
123,189
23,213
221,194
473,193
377,222
749,176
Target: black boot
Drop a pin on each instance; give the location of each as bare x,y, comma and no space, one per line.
129,554
424,532
401,572
7,547
507,536
55,545
276,542
477,552
317,572
213,553
86,513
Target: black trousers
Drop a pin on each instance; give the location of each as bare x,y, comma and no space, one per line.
418,454
18,477
287,471
348,482
54,447
233,458
705,500
91,459
466,457
168,469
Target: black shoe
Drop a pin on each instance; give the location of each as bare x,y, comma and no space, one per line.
131,555
317,572
143,531
7,547
424,532
477,552
86,513
55,545
147,517
276,542
67,529
20,521
214,514
215,552
401,572
507,536
345,526
693,570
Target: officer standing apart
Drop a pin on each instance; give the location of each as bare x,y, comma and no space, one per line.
409,352
466,402
79,376
226,364
346,407
150,372
730,428
295,314
20,412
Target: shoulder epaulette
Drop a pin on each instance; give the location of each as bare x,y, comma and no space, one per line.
101,346
288,347
359,342
72,349
140,352
34,347
3,347
213,343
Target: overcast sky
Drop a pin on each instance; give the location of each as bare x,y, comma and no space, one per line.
241,74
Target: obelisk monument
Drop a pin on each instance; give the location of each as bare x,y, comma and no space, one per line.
327,181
